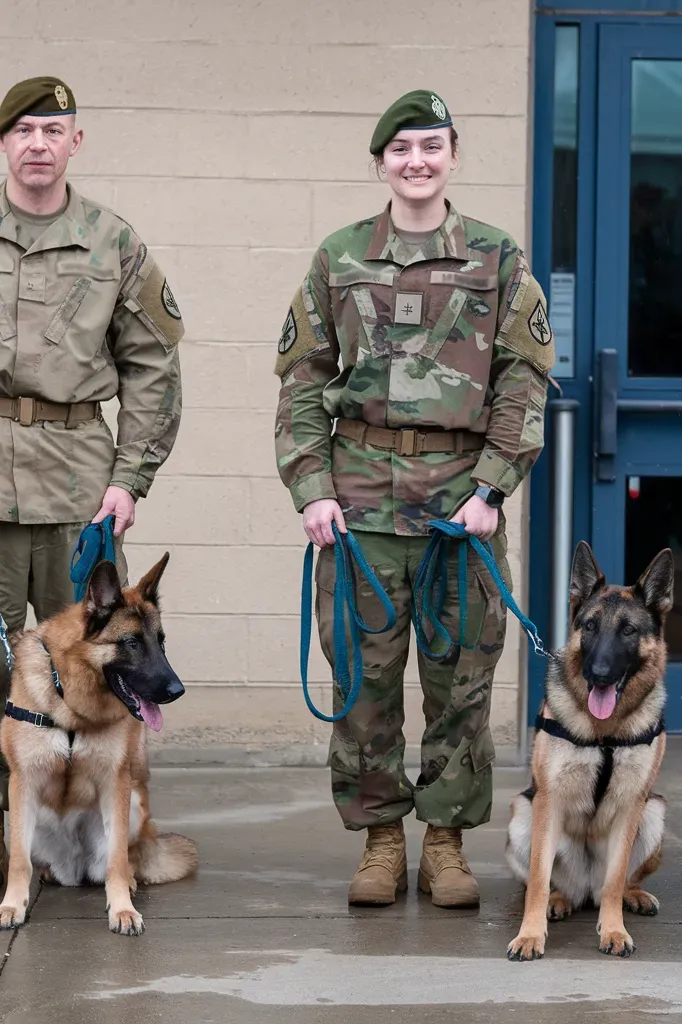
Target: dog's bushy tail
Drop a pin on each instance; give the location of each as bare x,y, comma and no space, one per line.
166,857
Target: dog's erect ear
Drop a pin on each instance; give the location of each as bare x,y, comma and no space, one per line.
103,596
149,584
655,585
586,577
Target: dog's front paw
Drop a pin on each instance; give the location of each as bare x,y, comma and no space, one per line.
616,942
639,902
11,917
526,947
126,922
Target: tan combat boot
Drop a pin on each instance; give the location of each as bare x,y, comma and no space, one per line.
383,868
444,872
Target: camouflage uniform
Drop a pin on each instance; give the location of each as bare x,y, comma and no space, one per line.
454,338
85,316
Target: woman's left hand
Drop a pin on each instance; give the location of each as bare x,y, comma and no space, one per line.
477,518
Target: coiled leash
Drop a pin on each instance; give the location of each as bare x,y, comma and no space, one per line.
431,588
95,544
346,552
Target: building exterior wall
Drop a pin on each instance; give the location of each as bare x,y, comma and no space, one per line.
234,137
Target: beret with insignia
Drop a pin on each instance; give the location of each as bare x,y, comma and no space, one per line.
415,110
40,97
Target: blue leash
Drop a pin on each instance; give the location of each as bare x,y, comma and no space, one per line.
431,587
95,544
346,551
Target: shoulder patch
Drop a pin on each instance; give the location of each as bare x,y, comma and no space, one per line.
158,307
526,329
298,337
539,324
169,303
289,334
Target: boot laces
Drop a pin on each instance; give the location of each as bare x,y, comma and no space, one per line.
445,848
384,846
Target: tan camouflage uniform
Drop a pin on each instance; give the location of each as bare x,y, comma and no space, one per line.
85,316
455,338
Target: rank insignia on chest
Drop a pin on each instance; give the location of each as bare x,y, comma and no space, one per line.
408,308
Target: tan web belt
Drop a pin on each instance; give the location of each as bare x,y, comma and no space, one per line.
27,411
410,441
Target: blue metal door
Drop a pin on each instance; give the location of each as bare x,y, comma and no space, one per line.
637,441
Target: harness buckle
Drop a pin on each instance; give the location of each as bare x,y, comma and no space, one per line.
408,442
39,720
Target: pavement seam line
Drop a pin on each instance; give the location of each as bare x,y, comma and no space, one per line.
18,928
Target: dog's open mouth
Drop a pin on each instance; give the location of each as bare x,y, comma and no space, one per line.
144,710
602,700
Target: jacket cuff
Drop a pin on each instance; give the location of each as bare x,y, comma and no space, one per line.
492,469
312,488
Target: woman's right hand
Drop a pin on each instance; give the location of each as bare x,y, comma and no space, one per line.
318,517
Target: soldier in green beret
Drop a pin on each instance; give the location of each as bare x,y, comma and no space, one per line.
413,365
86,315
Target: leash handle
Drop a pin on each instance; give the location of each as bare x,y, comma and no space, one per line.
96,543
347,620
436,555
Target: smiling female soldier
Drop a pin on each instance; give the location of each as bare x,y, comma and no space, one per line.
424,335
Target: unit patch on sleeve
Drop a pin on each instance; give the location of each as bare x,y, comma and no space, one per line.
169,303
539,325
289,334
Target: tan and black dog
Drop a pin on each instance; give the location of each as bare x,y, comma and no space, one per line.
589,829
85,686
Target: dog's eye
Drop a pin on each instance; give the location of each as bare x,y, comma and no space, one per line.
628,630
131,642
590,626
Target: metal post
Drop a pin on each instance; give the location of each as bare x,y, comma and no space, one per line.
563,433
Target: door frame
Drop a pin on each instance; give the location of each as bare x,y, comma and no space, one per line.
580,387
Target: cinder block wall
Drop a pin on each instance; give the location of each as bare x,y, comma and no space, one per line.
234,137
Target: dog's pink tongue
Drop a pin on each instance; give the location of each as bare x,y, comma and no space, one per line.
151,714
602,701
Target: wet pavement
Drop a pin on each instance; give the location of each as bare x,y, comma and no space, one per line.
264,934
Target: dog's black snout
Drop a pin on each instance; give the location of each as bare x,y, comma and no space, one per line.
601,673
174,689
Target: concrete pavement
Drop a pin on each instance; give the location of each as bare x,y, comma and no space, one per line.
264,933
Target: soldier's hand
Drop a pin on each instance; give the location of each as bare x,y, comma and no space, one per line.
318,517
477,518
119,503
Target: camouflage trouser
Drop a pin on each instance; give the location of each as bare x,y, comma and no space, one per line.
34,568
454,788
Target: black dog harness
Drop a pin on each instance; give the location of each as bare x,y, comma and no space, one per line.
608,744
34,717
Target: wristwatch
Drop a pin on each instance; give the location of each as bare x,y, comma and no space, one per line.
491,497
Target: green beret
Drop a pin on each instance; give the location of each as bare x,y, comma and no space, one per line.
415,110
40,97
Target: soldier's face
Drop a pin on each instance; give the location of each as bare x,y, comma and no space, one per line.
417,164
38,149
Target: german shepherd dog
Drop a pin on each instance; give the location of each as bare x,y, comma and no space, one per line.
85,685
589,830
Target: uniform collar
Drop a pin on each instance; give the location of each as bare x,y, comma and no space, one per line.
449,242
69,229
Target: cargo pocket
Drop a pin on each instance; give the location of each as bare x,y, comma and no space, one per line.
462,796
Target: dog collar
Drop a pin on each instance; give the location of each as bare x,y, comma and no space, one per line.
34,717
555,728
